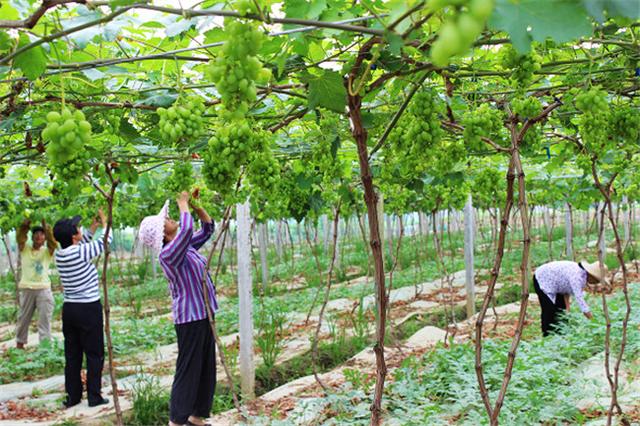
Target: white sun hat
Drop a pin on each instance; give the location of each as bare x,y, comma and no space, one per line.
151,230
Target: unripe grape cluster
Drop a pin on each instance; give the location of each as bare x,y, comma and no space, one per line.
420,128
228,150
183,120
424,129
594,122
483,121
457,35
526,108
626,123
67,132
323,157
522,67
237,68
263,173
181,178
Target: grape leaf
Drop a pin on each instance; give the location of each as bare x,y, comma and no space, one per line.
527,20
5,41
303,9
395,42
327,91
33,62
8,12
614,8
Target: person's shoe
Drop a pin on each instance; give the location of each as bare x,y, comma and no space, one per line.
101,401
19,345
68,404
190,423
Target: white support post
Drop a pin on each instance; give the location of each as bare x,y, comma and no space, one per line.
262,242
279,243
602,244
337,264
325,232
154,264
469,228
568,226
389,227
245,296
626,219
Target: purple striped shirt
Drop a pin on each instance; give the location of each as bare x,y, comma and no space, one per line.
184,268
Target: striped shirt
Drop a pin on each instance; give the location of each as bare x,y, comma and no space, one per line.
563,277
184,267
78,275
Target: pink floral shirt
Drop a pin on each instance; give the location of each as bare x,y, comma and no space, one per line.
563,277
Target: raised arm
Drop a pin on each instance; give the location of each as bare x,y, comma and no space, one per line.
21,234
203,235
174,252
94,248
52,244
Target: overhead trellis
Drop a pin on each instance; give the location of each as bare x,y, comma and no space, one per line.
412,98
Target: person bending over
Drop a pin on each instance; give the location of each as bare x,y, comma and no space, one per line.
555,283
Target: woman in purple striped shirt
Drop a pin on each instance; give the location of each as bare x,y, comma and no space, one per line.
195,378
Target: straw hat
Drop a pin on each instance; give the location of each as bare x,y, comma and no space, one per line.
595,271
151,231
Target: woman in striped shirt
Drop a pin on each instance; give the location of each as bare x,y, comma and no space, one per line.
195,378
82,322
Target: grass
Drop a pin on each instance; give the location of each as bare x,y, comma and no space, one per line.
150,402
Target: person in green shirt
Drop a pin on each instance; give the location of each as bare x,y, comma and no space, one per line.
34,284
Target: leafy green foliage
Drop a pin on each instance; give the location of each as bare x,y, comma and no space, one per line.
32,62
24,365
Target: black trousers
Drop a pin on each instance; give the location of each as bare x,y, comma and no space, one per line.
551,313
194,383
82,327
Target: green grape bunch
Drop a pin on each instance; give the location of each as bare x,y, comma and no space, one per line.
626,123
424,130
595,120
181,178
480,122
526,108
68,133
421,129
227,151
263,172
456,35
237,68
323,157
522,67
183,120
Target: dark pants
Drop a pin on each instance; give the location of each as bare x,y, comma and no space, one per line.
551,312
195,380
82,328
